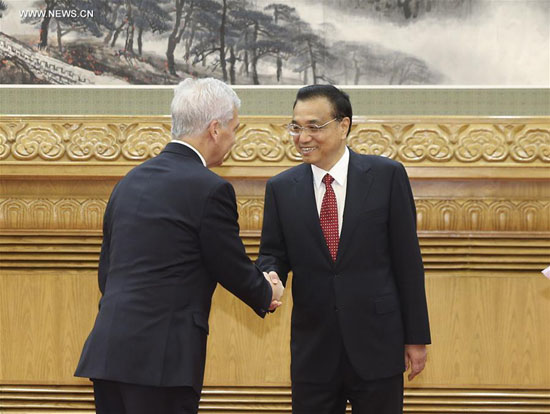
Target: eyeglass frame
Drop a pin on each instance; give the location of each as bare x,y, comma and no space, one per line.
308,128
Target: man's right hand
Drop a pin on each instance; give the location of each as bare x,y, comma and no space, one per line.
277,288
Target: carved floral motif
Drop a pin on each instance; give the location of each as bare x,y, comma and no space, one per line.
144,142
4,146
481,143
533,144
376,141
258,144
426,144
36,141
99,142
261,142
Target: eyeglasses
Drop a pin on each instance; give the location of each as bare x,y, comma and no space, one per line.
312,129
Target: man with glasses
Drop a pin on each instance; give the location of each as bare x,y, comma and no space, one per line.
345,225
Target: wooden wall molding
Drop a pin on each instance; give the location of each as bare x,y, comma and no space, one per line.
483,215
442,141
43,213
82,140
436,214
276,400
466,214
460,142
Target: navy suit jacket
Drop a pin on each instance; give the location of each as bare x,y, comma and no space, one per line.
170,235
371,301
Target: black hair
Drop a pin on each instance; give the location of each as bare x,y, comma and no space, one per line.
341,105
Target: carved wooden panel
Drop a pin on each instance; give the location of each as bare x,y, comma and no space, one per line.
43,213
265,141
432,214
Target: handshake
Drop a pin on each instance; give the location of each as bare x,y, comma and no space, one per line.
277,288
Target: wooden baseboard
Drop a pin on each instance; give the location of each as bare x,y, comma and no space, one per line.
37,399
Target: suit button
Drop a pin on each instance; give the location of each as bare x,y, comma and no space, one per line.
336,309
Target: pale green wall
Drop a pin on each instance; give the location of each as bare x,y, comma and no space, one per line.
366,102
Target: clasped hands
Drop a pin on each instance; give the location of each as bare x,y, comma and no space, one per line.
277,288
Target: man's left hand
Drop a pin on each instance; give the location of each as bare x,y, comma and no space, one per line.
415,357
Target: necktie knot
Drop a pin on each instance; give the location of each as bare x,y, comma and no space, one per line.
328,179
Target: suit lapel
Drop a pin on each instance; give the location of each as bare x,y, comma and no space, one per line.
359,183
307,207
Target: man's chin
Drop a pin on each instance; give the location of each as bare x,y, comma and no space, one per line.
307,158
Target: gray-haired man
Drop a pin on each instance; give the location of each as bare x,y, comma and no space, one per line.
170,235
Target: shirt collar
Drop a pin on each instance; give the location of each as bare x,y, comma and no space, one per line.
339,171
193,148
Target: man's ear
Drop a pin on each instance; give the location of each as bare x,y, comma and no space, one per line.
214,130
344,125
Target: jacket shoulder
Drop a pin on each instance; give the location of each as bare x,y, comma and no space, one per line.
378,162
290,174
177,172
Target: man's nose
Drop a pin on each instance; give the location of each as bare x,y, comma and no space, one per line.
304,136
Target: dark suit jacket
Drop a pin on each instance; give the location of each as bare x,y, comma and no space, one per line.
170,234
372,299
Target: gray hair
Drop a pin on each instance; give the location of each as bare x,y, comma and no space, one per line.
198,102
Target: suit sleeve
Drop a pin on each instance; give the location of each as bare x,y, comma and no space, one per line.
103,264
272,246
407,260
224,254
103,268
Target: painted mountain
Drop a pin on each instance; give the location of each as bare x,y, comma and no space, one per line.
262,42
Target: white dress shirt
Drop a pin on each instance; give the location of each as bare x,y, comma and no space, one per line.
193,148
340,174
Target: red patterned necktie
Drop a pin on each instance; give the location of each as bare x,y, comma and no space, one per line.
329,217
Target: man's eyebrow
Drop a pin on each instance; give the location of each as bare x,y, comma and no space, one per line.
308,122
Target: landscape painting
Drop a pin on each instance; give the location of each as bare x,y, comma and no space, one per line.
276,42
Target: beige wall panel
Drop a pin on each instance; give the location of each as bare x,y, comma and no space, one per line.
245,350
488,331
45,316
